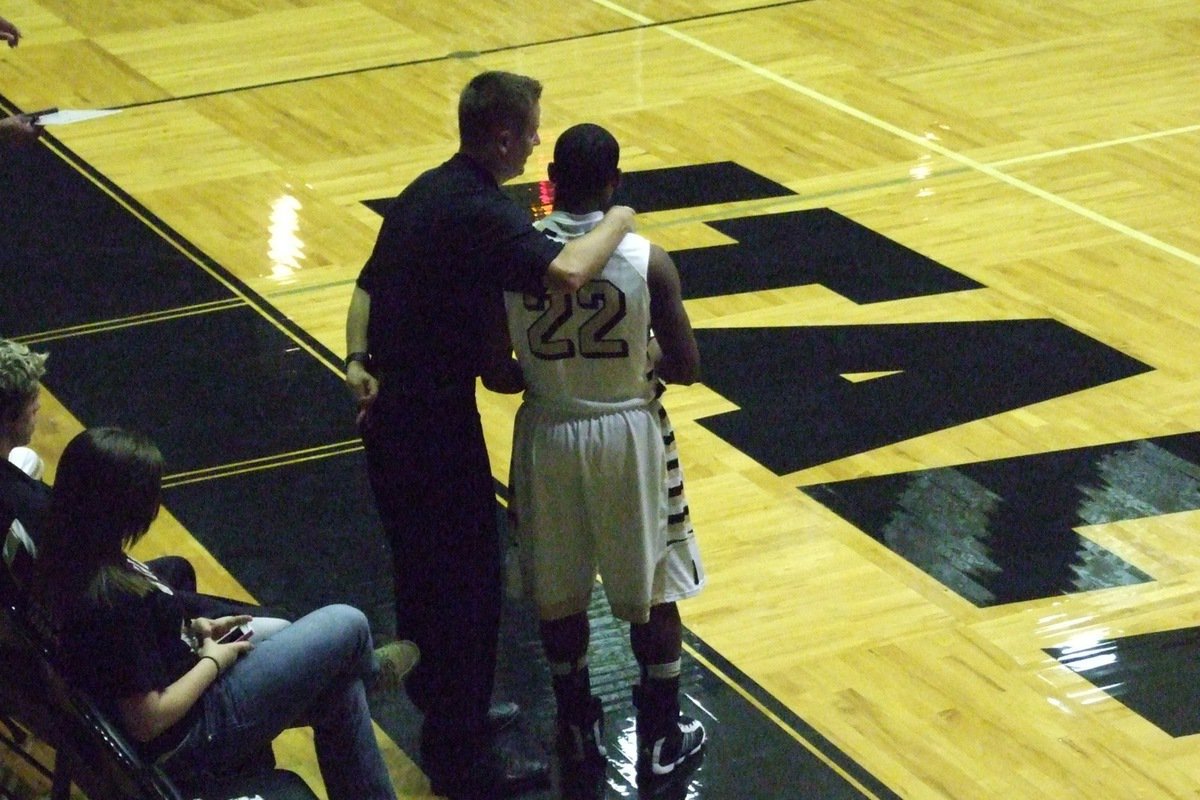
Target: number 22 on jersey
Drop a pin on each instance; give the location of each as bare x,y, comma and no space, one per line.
578,324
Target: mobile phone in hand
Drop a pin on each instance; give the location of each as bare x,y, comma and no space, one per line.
237,634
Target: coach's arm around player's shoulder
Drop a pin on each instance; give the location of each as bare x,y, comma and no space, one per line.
583,257
673,349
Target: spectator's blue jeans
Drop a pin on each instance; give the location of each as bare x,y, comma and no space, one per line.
310,673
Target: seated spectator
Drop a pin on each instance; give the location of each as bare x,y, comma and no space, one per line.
24,498
198,706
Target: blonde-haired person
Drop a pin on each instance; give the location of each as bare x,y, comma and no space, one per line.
23,497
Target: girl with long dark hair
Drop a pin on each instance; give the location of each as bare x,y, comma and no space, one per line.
199,707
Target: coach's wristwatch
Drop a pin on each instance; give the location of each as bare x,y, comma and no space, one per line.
360,356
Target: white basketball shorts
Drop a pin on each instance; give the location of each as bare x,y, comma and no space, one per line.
601,493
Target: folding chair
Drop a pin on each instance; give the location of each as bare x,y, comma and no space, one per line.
90,751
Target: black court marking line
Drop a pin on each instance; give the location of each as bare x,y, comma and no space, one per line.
848,768
49,196
266,462
298,515
453,56
20,749
183,378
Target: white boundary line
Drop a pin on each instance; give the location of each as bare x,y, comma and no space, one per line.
921,141
1083,148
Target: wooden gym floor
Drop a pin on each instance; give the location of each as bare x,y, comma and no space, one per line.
944,262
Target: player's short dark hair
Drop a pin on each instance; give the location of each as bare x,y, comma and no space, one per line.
492,101
585,159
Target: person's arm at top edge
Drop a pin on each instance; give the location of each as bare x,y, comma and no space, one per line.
18,129
583,258
680,355
9,33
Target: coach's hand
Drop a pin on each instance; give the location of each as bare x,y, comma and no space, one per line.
363,385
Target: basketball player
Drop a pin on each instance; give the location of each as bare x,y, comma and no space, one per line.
595,473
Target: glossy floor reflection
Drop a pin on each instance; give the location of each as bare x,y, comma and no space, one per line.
1156,675
1004,531
747,756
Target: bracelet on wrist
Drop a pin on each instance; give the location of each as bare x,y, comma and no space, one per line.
361,356
216,663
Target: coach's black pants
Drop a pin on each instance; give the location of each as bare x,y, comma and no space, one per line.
433,488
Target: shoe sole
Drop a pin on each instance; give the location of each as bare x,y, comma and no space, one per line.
651,785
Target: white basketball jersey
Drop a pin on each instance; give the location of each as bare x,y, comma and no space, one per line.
587,351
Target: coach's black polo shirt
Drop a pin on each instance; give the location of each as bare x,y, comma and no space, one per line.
450,243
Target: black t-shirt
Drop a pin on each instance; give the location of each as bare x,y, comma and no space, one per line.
130,646
21,496
448,246
26,499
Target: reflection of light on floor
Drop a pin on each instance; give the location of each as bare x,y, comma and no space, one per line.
1086,642
1098,694
284,248
1095,662
626,758
1059,704
1087,653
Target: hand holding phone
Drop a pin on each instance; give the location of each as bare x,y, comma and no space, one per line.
238,633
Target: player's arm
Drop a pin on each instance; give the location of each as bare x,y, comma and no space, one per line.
363,385
500,371
582,258
680,359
